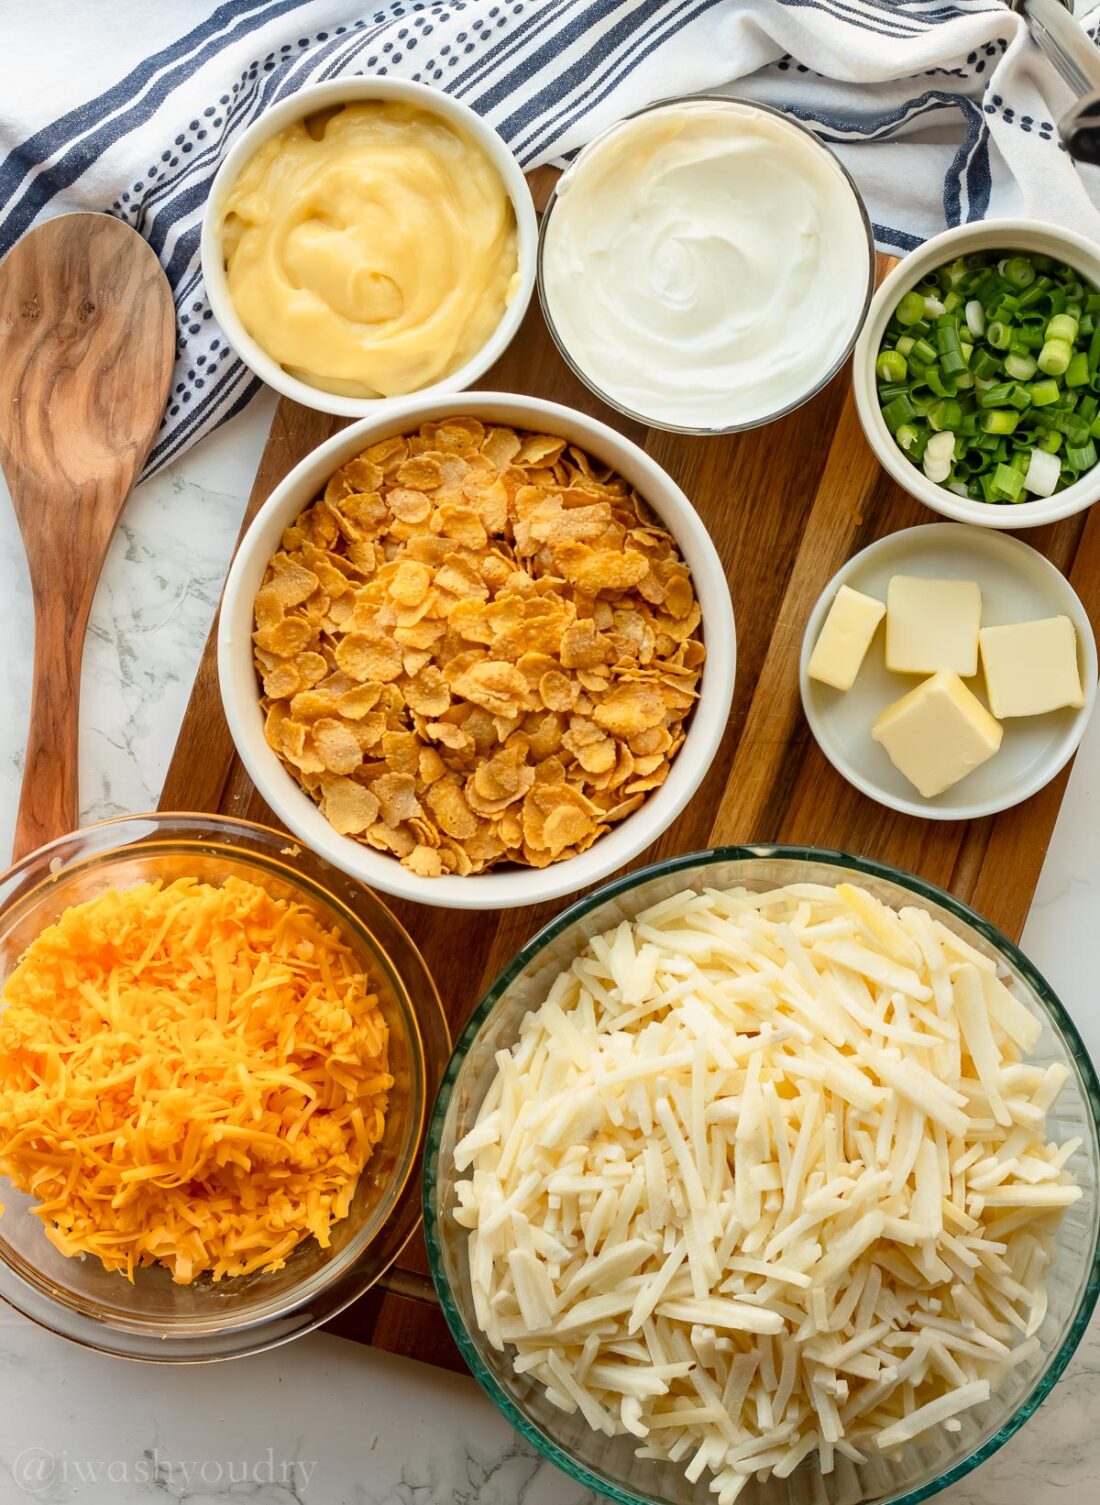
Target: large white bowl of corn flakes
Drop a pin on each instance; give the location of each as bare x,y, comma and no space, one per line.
478,653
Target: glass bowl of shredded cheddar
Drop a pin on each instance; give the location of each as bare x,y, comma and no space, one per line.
767,1175
216,1054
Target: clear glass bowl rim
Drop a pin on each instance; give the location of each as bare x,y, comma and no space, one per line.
706,858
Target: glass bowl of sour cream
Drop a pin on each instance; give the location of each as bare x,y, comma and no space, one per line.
705,265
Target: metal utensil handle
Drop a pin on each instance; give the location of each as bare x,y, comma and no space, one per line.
1070,48
1064,40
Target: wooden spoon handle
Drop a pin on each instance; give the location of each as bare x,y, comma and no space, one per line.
48,801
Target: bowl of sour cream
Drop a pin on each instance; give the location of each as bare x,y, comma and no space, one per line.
705,265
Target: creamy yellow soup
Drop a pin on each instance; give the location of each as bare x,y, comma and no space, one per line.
370,250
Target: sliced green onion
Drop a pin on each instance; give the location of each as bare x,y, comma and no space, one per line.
941,381
1055,356
995,396
891,366
989,374
1019,271
1067,421
910,309
938,454
897,412
1043,473
999,334
984,364
1022,367
1062,327
975,317
1043,393
945,414
1077,372
1008,483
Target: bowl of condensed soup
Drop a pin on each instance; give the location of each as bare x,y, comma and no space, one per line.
366,239
705,265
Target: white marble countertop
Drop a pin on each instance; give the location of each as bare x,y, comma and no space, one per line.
324,1421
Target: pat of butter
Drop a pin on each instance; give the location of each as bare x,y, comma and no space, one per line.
937,734
845,638
1031,667
932,625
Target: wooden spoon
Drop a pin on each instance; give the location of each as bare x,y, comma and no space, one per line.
87,340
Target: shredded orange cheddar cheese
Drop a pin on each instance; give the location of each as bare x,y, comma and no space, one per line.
190,1076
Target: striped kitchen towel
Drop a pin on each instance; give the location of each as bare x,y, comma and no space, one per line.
942,109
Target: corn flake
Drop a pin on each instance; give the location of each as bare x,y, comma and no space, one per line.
347,806
476,647
369,656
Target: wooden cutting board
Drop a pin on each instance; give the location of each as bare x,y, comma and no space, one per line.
786,505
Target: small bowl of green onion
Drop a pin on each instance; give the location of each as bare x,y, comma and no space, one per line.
977,373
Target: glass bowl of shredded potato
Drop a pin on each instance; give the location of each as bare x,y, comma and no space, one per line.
216,1056
767,1174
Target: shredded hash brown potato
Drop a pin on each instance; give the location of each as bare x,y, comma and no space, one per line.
477,647
190,1076
765,1176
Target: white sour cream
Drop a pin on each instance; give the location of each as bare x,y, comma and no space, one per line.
705,264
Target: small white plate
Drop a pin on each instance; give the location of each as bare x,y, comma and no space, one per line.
1017,585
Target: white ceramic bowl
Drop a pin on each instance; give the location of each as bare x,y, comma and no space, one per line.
511,886
1018,584
323,96
989,235
738,111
